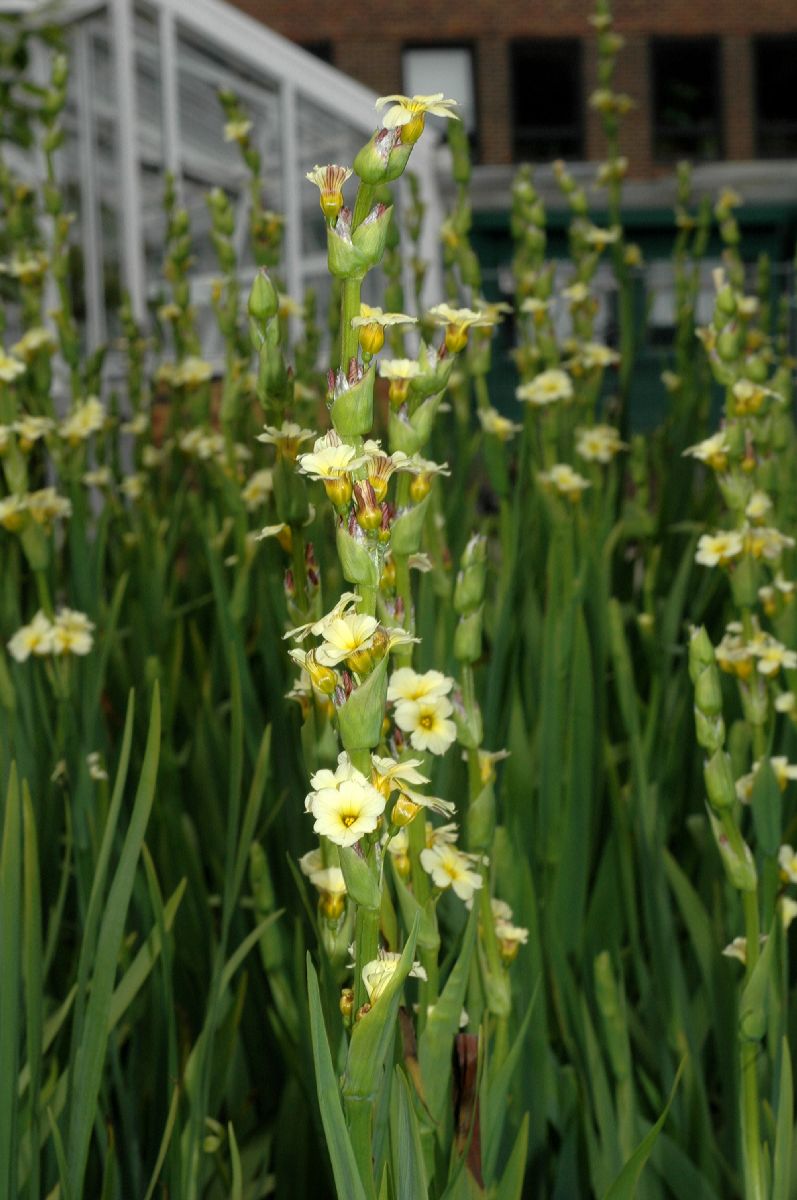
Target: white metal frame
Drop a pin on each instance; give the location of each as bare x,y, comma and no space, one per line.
266,54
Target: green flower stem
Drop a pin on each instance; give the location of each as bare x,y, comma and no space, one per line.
366,947
751,1129
362,205
43,589
350,308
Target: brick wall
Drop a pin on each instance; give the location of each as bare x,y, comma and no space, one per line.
369,49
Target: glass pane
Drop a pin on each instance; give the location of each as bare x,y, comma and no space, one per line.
686,98
446,69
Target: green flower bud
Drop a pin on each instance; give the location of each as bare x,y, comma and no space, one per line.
729,343
359,560
708,692
407,528
469,587
719,782
352,411
701,653
710,731
263,298
739,865
468,636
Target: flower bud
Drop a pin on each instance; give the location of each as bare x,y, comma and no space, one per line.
701,653
322,677
404,811
346,1003
420,486
368,512
710,731
338,490
263,298
708,693
331,905
719,782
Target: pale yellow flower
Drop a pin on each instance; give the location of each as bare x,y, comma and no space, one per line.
35,638
758,507
406,684
12,512
133,486
287,438
427,722
237,131
100,477
494,423
330,458
10,367
715,549
449,867
787,861
713,451
564,480
72,632
33,342
193,372
87,417
378,973
375,316
345,636
30,429
404,109
45,505
546,388
599,444
346,812
257,489
399,368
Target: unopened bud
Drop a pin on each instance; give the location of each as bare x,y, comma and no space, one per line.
404,811
346,1002
719,782
372,337
420,486
339,490
701,653
263,298
708,693
369,514
710,731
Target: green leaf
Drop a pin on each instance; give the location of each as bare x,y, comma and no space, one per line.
437,1039
767,804
784,1130
344,1166
164,1146
90,1056
32,973
237,1190
625,1185
10,981
753,1001
494,1110
511,1185
406,1152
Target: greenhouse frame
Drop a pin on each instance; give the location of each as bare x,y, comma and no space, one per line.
143,103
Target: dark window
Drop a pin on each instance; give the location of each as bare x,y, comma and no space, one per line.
776,97
686,98
547,100
322,50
